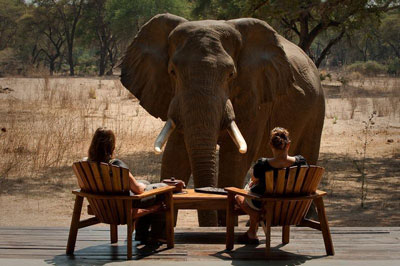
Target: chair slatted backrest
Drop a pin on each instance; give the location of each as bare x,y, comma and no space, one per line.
102,178
293,181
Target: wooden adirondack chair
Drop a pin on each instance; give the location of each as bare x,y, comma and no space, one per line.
287,198
106,187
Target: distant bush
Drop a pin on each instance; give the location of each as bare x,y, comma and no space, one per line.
369,68
394,67
9,62
355,75
86,62
323,74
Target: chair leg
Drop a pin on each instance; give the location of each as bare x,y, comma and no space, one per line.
114,233
230,222
170,220
129,222
73,231
285,234
319,202
267,227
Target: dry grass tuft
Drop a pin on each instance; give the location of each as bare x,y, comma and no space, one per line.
92,93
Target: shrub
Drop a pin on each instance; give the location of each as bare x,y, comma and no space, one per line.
369,68
394,67
9,62
92,93
355,75
323,74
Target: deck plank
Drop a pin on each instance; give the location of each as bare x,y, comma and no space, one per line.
351,243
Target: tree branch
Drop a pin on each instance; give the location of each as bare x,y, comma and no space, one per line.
397,52
260,5
325,52
291,25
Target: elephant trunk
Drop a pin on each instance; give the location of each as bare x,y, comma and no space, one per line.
201,116
202,157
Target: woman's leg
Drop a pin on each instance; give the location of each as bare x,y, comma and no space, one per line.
158,219
143,223
254,216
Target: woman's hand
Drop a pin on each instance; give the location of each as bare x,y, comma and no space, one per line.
135,186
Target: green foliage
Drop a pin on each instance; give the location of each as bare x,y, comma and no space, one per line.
9,62
394,66
10,12
315,25
94,38
369,68
86,62
220,9
126,16
335,119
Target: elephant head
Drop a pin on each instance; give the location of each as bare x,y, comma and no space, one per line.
201,76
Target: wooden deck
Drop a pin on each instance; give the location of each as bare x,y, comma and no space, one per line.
200,244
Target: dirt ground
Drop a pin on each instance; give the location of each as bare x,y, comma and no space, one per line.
46,124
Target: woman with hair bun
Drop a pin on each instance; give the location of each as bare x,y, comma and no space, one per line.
280,144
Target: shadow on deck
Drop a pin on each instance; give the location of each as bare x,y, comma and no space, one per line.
199,246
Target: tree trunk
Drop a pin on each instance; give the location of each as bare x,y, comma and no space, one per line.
52,66
71,59
327,48
102,63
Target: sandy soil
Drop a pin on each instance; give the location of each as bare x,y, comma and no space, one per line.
35,190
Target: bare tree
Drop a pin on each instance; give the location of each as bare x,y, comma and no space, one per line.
70,12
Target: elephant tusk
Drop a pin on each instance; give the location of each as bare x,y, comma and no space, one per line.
163,136
237,137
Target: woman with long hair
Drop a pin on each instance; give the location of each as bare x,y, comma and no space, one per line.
102,149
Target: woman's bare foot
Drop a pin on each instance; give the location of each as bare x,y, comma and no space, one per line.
246,239
252,235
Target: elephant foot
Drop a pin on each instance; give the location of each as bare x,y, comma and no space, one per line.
207,218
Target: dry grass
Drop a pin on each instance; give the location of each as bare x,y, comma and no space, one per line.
49,123
362,96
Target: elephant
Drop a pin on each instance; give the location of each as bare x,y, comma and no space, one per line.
221,86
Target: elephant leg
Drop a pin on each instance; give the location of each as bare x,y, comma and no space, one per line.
310,140
309,145
233,168
175,161
206,218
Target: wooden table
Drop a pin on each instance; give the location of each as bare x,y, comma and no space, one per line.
192,200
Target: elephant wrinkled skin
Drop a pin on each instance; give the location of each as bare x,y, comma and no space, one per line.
203,75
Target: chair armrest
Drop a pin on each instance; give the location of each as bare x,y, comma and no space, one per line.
242,192
162,190
153,192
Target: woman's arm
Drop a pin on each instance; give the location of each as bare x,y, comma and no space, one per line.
135,186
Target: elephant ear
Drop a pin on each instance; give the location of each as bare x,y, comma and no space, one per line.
144,68
262,63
